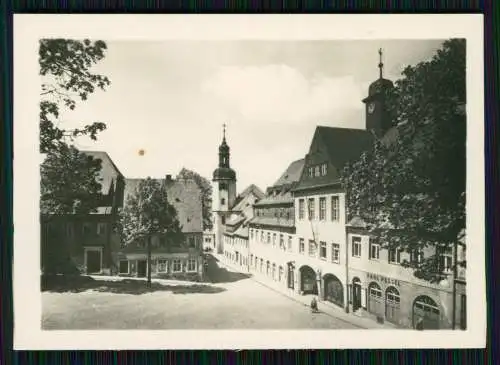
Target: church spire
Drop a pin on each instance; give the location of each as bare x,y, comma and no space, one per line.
380,63
224,149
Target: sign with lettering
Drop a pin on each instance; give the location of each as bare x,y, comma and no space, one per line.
383,279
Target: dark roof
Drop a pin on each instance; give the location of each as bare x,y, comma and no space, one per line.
292,173
224,173
251,189
379,85
184,195
340,145
273,221
109,172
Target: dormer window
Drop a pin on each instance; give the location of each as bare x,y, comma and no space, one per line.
316,171
323,169
311,172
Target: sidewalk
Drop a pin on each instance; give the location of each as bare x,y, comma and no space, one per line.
323,306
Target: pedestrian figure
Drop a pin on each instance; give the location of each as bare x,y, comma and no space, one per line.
420,324
314,305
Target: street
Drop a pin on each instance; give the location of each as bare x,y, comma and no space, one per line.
230,300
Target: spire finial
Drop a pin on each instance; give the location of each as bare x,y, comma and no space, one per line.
224,131
380,64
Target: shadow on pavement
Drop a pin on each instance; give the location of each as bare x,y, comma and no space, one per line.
218,274
78,284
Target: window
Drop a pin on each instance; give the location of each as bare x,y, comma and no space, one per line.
310,206
445,262
374,291
316,171
251,260
70,230
282,242
392,296
161,265
177,266
274,239
223,220
335,208
301,245
86,229
124,267
322,209
356,246
301,208
463,312
251,234
261,236
323,169
261,265
268,268
416,256
192,242
313,249
280,273
222,201
268,237
311,172
322,250
374,249
191,265
335,253
290,243
274,271
101,229
394,256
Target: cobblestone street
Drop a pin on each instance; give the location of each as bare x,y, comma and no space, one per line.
230,300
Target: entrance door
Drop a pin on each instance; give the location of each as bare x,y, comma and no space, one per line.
93,261
426,313
142,268
356,294
334,291
291,276
308,280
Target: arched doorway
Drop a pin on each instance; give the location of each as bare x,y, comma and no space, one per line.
334,291
392,303
356,294
375,300
426,311
308,283
291,275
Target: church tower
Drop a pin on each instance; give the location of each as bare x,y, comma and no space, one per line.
223,192
377,116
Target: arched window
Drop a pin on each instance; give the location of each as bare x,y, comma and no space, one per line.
274,271
375,299
426,313
392,302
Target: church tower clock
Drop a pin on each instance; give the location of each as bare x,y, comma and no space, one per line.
377,116
223,192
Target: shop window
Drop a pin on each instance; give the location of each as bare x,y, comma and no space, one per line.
375,300
124,267
161,265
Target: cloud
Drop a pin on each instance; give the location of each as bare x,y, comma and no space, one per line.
280,93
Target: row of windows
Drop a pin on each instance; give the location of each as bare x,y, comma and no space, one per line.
313,250
162,266
322,213
268,238
270,269
284,213
394,255
86,229
318,170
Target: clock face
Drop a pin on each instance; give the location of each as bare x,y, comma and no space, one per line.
371,108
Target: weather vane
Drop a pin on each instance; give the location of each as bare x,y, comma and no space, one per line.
224,130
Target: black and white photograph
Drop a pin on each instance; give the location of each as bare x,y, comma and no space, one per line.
240,189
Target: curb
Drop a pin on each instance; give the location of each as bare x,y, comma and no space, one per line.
252,277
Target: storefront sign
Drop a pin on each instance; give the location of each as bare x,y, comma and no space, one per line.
383,279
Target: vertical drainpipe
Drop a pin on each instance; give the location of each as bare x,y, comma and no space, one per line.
455,257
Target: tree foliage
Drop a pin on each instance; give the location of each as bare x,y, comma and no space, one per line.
65,66
148,213
206,191
70,182
410,190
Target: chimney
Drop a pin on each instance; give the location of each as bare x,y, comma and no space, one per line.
168,178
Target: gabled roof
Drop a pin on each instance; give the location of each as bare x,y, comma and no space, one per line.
239,203
291,174
184,195
109,172
338,146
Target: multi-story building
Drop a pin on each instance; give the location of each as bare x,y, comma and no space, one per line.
272,230
380,287
85,242
183,260
235,236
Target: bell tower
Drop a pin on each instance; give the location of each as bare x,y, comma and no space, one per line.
377,116
223,191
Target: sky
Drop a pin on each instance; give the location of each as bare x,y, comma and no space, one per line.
171,98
